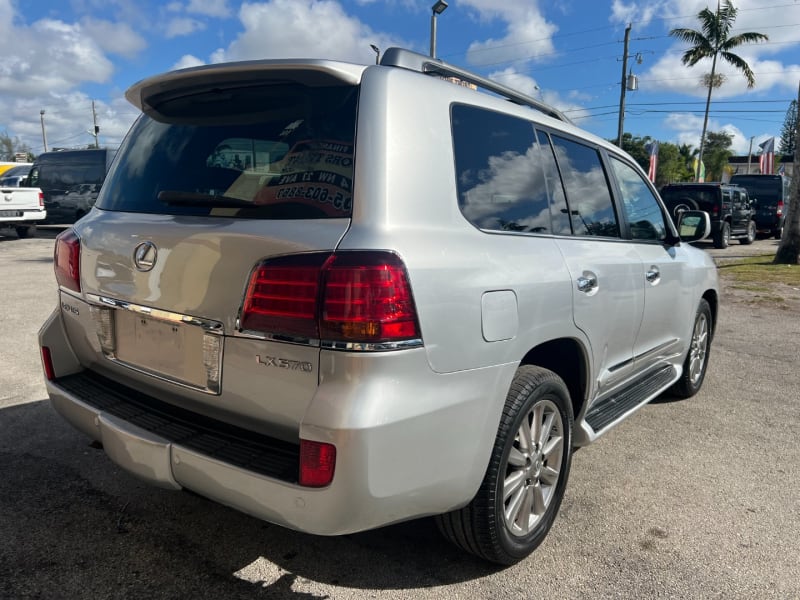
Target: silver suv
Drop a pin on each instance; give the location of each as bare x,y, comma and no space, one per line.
338,296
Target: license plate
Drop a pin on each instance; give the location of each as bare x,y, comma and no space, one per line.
172,350
10,213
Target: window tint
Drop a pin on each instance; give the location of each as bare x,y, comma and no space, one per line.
500,174
641,208
558,201
272,152
588,196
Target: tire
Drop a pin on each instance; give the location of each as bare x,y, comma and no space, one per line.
524,483
24,231
778,233
722,239
751,234
696,363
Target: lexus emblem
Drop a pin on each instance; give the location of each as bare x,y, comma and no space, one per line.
144,256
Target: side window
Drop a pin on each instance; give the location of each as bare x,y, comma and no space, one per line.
500,177
33,178
640,206
590,206
559,214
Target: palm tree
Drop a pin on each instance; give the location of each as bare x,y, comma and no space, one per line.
715,41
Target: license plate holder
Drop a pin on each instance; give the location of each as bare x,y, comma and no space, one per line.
169,349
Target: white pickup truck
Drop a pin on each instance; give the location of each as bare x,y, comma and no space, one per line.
21,208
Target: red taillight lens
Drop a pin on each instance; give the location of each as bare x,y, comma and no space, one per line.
361,297
317,463
67,260
367,298
47,363
41,200
780,208
715,210
282,296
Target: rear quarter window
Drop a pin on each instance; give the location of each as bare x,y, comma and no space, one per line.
501,172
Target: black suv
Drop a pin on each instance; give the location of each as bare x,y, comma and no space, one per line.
732,215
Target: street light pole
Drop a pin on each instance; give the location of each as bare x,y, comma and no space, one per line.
436,10
44,134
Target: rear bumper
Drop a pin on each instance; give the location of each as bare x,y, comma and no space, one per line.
25,217
407,446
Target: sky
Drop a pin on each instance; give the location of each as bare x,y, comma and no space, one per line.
63,56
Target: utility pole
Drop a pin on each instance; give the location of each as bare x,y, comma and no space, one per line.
44,134
623,86
750,153
95,128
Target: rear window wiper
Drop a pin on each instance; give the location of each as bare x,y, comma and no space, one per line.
177,198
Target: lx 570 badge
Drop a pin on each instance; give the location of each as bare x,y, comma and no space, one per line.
284,363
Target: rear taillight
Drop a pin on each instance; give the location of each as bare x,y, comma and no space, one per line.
47,363
317,463
780,208
715,210
67,260
283,295
367,298
41,200
350,297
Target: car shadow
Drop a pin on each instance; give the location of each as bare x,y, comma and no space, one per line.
76,526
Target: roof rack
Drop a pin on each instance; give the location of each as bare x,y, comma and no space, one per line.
406,59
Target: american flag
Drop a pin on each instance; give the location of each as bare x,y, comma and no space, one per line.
766,161
652,148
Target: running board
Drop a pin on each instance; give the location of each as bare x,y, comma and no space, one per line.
610,409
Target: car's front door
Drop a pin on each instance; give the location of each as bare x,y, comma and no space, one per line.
662,271
608,293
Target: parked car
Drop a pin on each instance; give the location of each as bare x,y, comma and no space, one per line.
732,215
303,297
14,176
770,195
70,180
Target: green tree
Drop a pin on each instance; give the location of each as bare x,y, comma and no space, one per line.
718,151
715,42
636,147
10,146
673,166
787,143
789,249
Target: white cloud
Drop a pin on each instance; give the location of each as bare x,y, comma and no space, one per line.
209,8
312,28
688,127
528,86
186,61
181,26
117,38
642,12
669,73
528,33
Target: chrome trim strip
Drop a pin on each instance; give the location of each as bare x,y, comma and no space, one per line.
208,325
371,347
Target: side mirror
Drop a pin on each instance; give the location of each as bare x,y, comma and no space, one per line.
693,225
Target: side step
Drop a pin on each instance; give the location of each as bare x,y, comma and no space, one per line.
609,409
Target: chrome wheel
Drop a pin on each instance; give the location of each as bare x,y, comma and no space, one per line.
699,347
533,468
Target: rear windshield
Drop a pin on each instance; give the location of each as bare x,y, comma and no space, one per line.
700,196
761,188
263,152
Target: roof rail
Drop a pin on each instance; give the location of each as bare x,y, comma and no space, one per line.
406,59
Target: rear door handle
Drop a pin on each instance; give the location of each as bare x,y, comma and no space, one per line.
587,283
653,275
